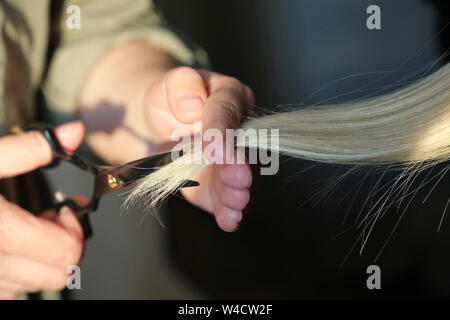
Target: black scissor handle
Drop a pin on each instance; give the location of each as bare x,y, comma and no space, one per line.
58,155
84,219
58,151
49,134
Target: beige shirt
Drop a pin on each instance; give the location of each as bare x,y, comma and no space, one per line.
30,27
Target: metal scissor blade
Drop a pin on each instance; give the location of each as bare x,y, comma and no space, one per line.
122,176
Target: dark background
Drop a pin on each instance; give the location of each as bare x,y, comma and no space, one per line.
288,247
286,51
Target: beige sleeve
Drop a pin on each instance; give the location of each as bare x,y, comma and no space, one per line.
104,24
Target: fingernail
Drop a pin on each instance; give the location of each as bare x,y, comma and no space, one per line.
190,102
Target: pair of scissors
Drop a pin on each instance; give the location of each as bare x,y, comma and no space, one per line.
107,179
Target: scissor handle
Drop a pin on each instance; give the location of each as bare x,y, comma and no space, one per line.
58,151
84,219
58,155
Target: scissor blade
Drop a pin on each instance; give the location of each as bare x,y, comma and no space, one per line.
125,175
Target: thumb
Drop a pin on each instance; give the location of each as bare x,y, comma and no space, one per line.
29,151
69,221
186,94
70,135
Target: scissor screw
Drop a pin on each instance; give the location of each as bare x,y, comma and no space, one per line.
111,181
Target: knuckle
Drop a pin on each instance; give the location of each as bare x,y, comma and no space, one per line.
232,111
34,137
240,196
229,106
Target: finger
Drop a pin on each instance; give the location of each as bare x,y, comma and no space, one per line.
249,94
38,239
30,150
70,135
15,287
80,199
206,196
32,274
186,93
227,219
53,214
202,195
69,221
159,115
223,110
232,198
8,295
237,176
49,215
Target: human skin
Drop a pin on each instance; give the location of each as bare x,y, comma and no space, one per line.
35,252
156,97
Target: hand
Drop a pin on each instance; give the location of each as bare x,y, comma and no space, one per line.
110,104
183,96
35,252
